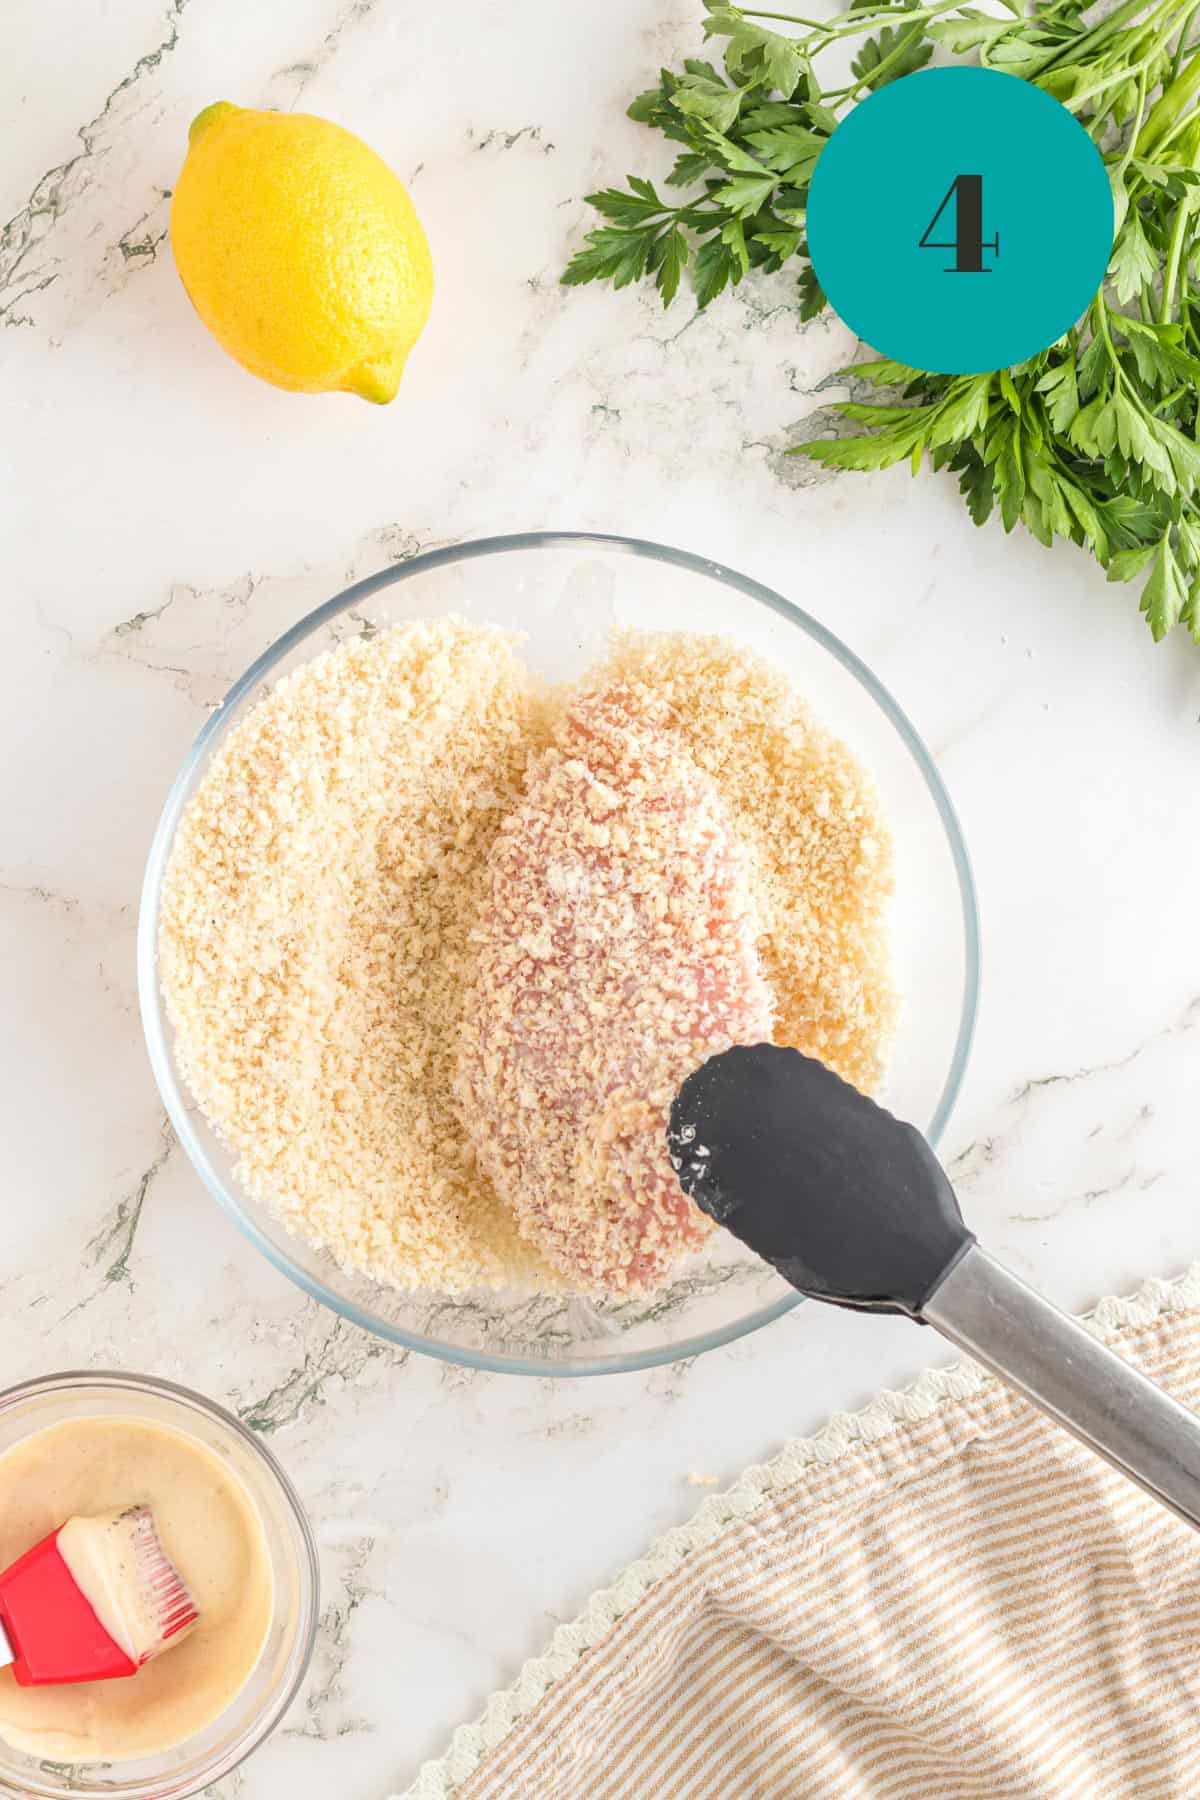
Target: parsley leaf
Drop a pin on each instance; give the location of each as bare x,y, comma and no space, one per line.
716,267
616,254
668,258
1061,388
975,484
892,54
745,194
1134,264
703,97
812,294
763,57
1164,594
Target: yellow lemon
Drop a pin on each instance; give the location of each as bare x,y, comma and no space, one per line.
301,251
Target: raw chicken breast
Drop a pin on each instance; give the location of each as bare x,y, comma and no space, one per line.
616,953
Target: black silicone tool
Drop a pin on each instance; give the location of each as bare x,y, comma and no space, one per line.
852,1206
849,1204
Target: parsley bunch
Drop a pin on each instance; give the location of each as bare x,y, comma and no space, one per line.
1095,439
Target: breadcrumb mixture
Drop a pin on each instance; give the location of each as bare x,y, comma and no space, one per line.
313,948
616,952
325,910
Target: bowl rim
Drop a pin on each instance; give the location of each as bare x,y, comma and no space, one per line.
308,1561
153,1021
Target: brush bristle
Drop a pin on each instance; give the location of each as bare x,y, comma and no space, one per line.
168,1599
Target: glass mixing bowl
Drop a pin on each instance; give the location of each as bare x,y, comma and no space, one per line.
565,591
191,1767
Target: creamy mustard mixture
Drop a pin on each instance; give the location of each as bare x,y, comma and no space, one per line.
210,1530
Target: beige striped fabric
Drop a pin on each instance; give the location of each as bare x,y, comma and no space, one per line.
943,1598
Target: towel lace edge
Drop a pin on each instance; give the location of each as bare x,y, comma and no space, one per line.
888,1412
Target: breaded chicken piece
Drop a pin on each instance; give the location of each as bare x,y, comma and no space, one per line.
616,952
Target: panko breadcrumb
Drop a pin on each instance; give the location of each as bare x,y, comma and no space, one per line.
313,949
315,946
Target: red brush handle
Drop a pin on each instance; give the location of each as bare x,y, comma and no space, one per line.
52,1627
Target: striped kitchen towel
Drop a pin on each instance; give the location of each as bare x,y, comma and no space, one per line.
940,1598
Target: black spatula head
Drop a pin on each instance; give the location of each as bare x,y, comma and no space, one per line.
849,1203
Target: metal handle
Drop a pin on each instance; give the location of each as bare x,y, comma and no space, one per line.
1074,1378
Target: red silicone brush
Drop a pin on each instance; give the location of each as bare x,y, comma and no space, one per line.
94,1600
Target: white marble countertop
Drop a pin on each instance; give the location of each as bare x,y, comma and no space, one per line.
164,516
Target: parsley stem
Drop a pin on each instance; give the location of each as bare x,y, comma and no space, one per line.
866,20
1170,107
1137,120
1124,15
753,12
1182,124
1117,78
875,75
1137,117
858,24
1100,314
1100,310
1181,45
1182,214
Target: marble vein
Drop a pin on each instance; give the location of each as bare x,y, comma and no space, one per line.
44,896
326,1693
985,1151
339,1353
116,1239
1187,1020
497,139
153,228
27,255
300,74
1130,1180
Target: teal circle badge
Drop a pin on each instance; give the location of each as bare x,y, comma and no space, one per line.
960,220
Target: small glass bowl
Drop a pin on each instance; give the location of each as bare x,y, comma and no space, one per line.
200,1760
565,592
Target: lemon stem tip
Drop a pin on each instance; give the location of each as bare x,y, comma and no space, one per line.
209,116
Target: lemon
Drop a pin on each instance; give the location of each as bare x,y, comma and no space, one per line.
301,251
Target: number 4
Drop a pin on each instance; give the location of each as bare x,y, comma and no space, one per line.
967,243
